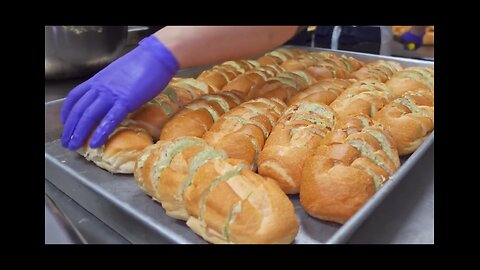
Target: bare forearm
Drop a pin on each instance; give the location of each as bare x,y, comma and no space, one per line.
202,45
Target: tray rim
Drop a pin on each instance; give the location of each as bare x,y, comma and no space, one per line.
361,54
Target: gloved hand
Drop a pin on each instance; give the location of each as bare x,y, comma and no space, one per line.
411,41
112,93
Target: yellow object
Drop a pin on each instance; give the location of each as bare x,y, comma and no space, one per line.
411,46
311,28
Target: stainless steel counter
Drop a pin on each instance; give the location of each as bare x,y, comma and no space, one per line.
92,230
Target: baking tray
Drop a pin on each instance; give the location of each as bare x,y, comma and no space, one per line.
119,203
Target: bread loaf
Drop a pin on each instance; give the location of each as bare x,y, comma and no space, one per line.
279,56
222,201
330,65
284,85
242,131
346,126
300,129
154,114
197,117
300,63
220,75
339,178
324,65
324,91
122,148
411,79
365,97
165,169
348,63
409,119
253,79
379,70
231,204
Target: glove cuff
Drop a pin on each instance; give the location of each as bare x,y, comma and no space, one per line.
161,53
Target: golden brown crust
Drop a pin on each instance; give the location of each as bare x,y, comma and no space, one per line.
346,126
197,117
251,80
268,60
229,204
409,119
334,192
343,173
216,79
300,129
275,89
411,79
218,76
297,64
365,97
324,65
277,57
379,70
355,64
222,201
164,170
242,132
119,153
284,85
327,71
153,115
324,91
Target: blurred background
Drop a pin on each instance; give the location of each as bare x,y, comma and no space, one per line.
367,39
74,51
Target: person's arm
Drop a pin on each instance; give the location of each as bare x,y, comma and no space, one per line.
202,45
141,74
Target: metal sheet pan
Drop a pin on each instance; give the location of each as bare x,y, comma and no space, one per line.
119,203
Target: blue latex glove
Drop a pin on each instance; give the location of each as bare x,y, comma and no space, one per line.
112,93
411,41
